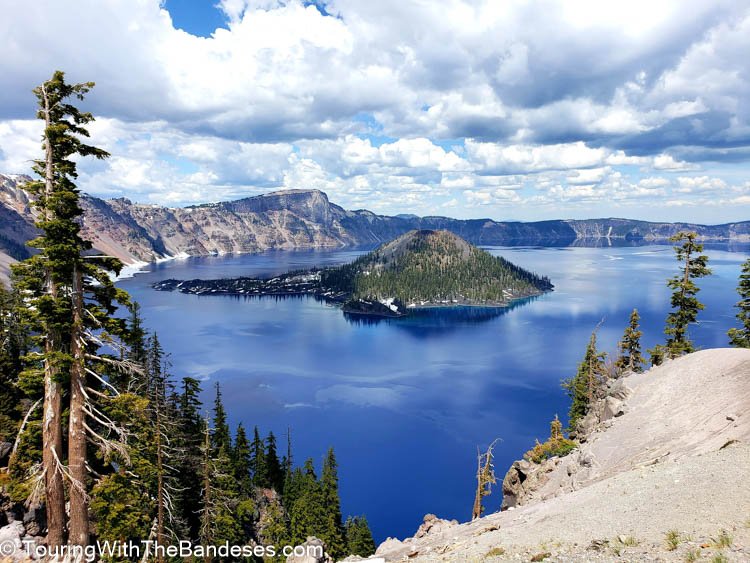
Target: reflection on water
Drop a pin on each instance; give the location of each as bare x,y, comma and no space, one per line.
420,320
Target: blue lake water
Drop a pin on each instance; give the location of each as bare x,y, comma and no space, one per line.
405,402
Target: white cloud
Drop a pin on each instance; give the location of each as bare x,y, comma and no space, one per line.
547,99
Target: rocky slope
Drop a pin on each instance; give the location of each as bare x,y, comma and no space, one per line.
297,219
667,451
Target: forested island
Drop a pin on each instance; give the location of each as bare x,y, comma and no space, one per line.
422,268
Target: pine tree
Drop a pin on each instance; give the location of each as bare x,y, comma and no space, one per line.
333,531
221,438
273,465
740,337
585,385
13,346
71,296
258,462
308,513
189,462
359,539
136,341
219,499
273,527
630,346
684,303
241,462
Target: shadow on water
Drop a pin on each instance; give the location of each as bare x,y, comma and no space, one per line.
429,321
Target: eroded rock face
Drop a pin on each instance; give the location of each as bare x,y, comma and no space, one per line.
432,524
526,481
390,544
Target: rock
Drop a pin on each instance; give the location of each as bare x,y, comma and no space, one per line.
312,546
613,408
390,544
11,535
586,459
35,520
433,524
619,390
730,417
5,449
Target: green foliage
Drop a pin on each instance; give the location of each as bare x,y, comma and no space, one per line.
359,539
556,445
14,343
258,462
332,530
219,497
241,462
684,303
657,354
308,513
220,438
274,469
630,358
273,527
434,267
123,502
740,337
586,384
672,540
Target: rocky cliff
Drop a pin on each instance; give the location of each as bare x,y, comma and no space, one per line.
661,476
297,219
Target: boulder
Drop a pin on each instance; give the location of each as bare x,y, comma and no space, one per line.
11,535
312,546
390,544
613,408
5,449
432,524
35,520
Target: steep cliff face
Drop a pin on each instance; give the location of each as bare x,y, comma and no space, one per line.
297,219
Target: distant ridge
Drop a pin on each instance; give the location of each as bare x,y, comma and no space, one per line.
291,219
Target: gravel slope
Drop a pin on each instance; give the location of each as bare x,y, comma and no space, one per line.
678,459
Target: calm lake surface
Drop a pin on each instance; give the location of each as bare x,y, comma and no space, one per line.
405,402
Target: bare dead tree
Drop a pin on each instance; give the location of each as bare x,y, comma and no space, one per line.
485,478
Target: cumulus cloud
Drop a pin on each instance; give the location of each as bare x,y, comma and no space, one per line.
393,104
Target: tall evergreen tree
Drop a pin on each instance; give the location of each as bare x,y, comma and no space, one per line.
684,303
584,386
273,465
740,337
13,345
189,463
332,529
258,461
72,297
241,462
359,539
308,513
630,358
221,438
219,496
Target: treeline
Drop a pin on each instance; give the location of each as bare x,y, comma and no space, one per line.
435,268
596,369
94,428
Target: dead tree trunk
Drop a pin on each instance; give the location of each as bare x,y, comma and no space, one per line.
485,479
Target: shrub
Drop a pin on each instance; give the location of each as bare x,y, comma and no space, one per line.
556,445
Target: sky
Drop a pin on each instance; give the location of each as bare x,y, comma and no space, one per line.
512,110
